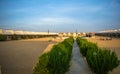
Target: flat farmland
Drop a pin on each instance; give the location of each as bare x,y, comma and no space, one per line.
113,45
19,57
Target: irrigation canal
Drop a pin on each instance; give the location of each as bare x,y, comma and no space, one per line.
19,57
78,63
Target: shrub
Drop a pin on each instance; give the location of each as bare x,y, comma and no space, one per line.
84,46
101,61
41,66
2,38
57,60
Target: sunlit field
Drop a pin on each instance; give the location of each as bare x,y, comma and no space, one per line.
21,56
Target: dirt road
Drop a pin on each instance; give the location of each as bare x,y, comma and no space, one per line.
19,57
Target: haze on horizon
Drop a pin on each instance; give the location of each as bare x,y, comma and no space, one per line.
60,15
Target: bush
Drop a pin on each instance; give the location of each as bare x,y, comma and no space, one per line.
101,61
84,46
41,66
2,38
57,60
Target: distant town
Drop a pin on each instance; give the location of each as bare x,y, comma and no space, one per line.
19,34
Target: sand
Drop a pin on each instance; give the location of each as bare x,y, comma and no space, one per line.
0,69
19,57
113,45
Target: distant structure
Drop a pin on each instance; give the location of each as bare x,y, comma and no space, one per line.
48,31
16,35
109,33
91,34
69,34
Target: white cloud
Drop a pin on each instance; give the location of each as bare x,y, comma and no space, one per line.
58,20
50,21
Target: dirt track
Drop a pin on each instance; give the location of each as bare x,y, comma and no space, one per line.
19,57
113,45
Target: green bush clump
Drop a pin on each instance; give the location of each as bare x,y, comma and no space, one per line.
41,66
57,60
84,45
2,38
101,61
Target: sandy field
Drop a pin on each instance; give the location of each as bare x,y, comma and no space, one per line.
19,57
113,45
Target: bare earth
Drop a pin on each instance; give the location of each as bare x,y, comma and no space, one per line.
113,45
19,57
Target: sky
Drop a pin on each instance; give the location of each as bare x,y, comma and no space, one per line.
60,15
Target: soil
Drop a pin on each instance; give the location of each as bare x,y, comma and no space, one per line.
19,57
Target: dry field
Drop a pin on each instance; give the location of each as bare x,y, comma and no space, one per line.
19,57
113,45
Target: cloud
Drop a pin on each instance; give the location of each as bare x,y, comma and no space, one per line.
48,21
58,20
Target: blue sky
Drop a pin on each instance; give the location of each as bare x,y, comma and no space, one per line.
60,15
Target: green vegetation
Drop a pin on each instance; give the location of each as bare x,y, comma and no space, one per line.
15,37
57,61
2,37
101,61
84,45
41,66
18,37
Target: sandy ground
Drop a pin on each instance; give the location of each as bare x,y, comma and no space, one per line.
0,69
19,57
113,45
57,39
48,49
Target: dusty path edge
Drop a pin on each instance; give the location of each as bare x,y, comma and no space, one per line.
47,49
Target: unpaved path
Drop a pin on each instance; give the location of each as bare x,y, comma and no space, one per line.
19,57
78,64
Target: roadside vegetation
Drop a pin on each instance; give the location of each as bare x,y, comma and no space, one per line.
100,60
19,37
2,38
57,61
